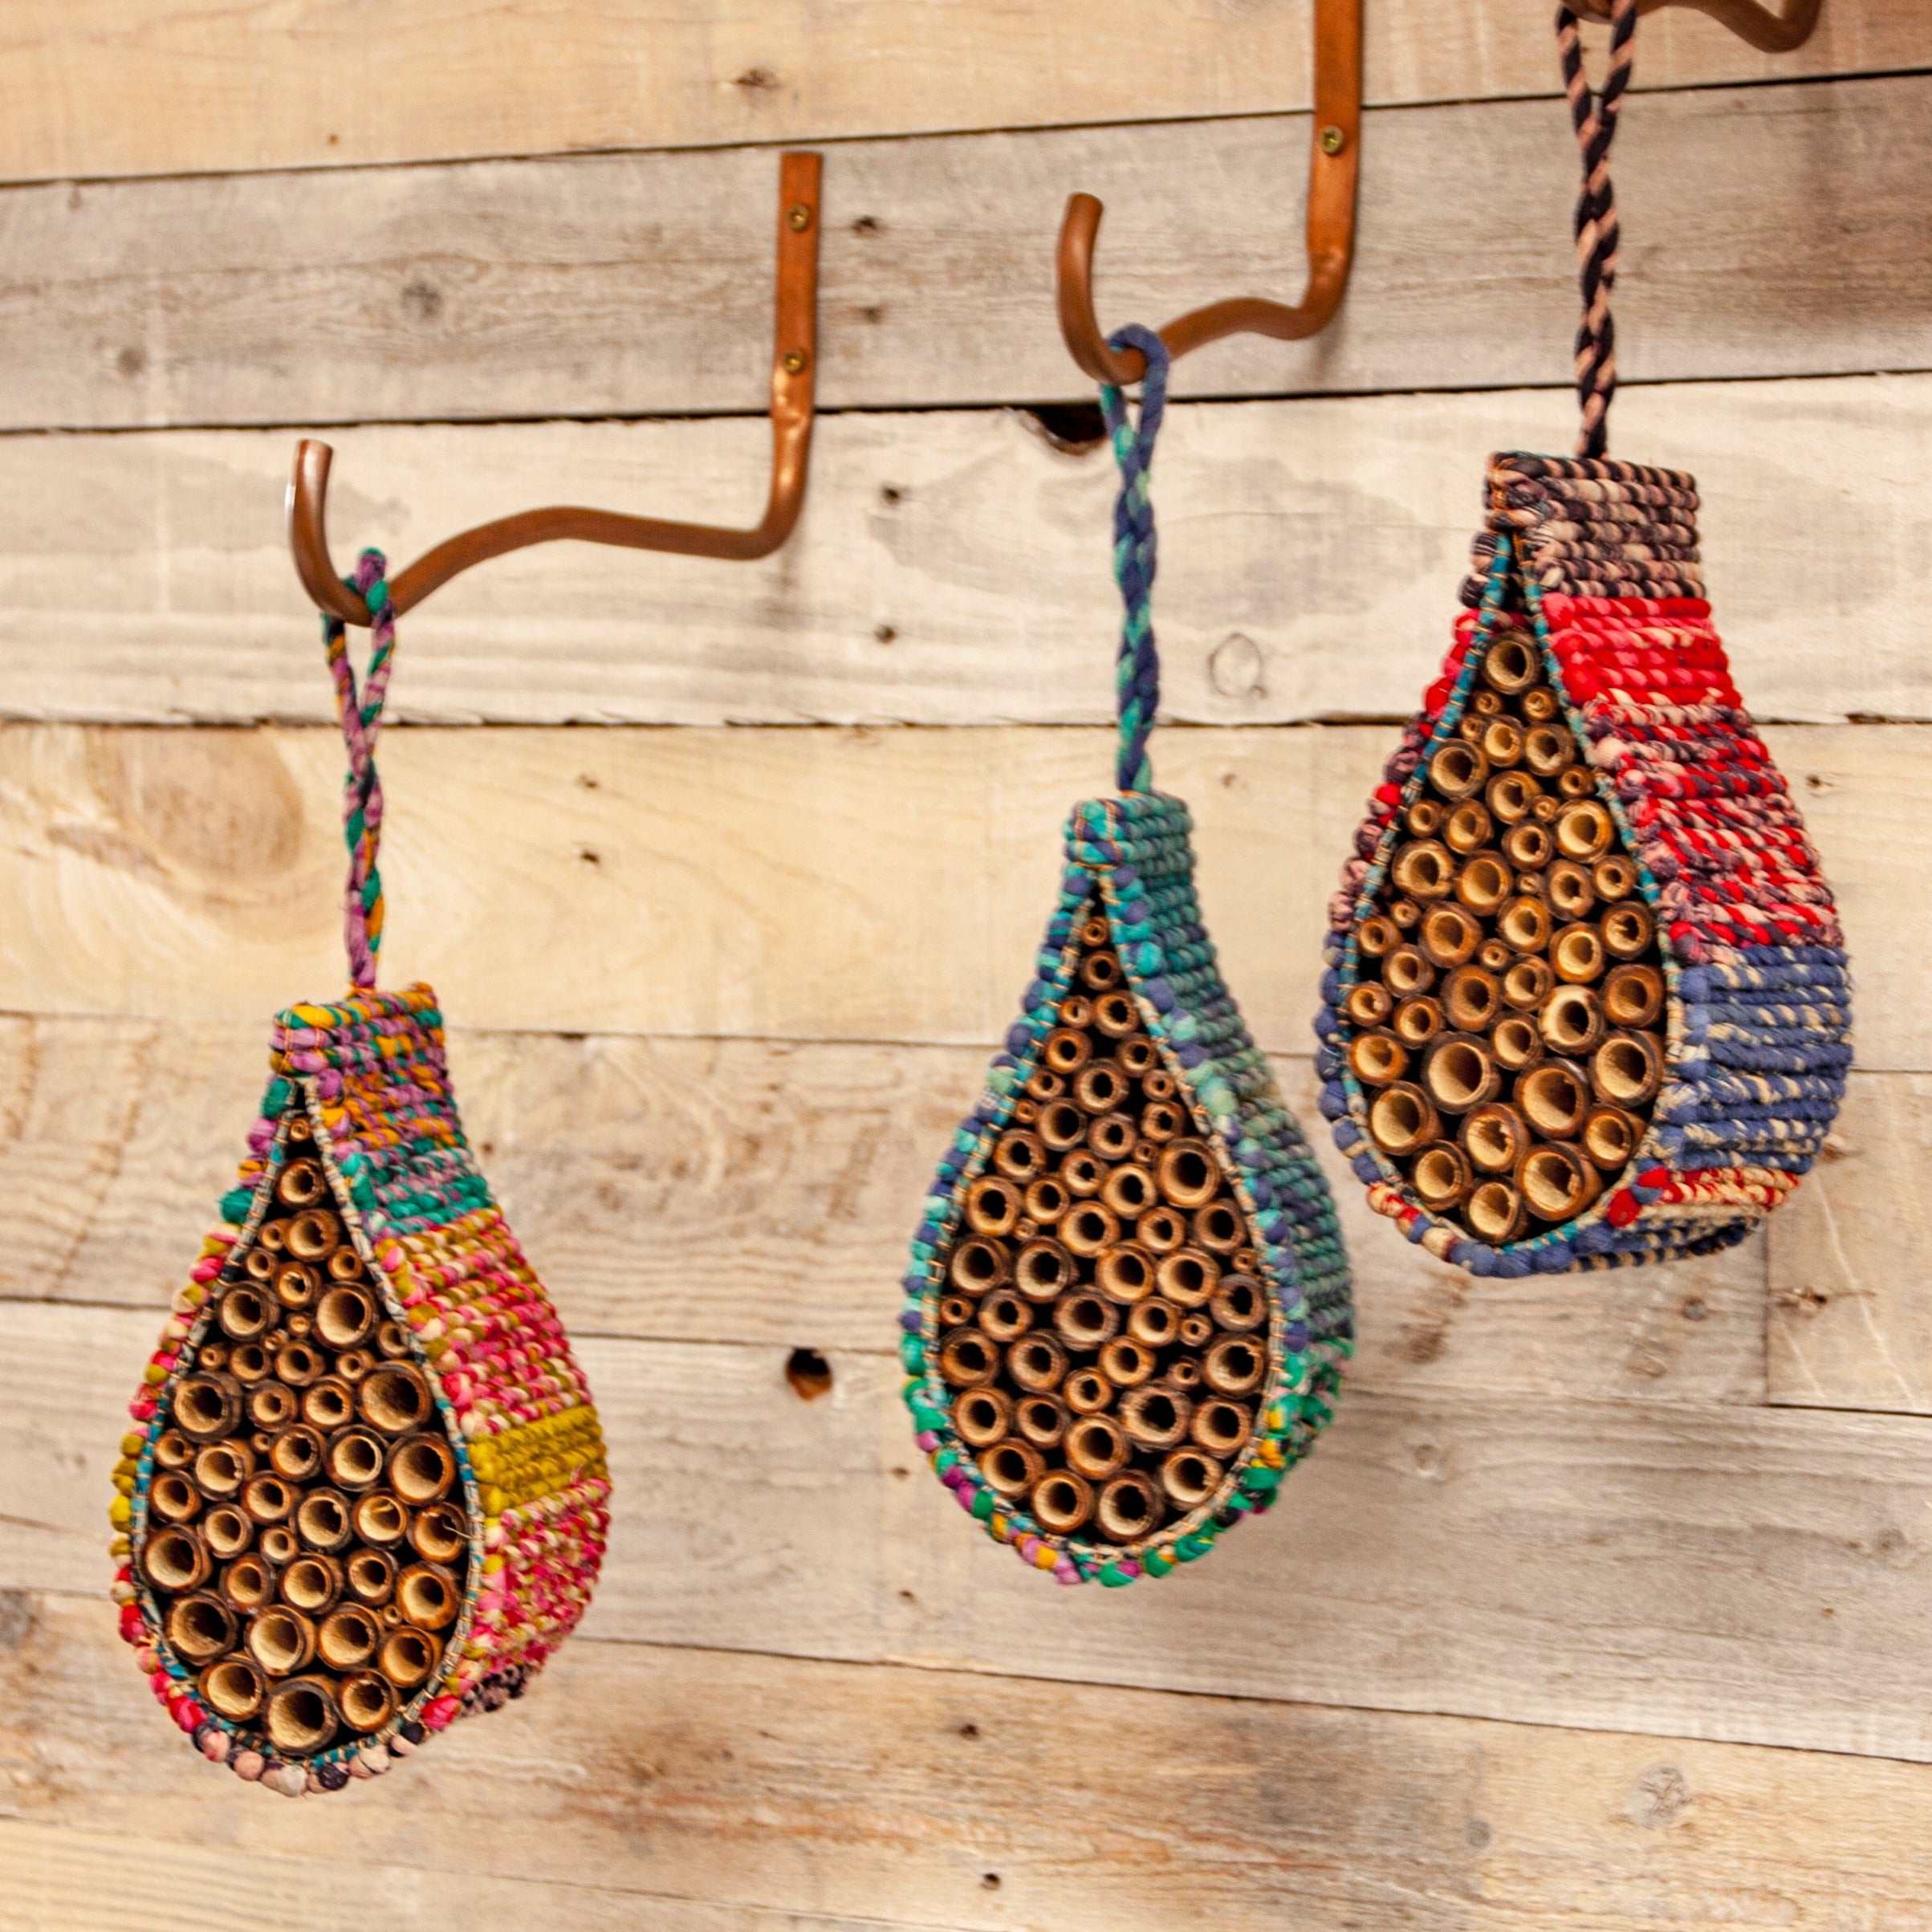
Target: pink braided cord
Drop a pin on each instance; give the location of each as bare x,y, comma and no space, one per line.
360,717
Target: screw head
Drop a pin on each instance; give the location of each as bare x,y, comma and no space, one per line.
798,217
792,362
1333,140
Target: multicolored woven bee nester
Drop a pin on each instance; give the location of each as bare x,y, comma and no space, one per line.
1586,1002
1127,1304
364,1492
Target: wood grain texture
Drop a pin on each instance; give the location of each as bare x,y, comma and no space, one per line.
748,1191
660,1789
164,86
1770,231
823,884
950,568
1754,1574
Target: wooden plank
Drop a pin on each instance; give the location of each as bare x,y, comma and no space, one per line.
780,1177
1850,1317
631,1778
162,87
829,884
950,568
1774,231
1745,1574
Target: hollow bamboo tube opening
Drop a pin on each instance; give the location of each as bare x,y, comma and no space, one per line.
1086,1392
222,1468
296,1285
1502,741
1458,770
311,1584
273,1239
1614,877
1511,796
1154,1320
1459,1073
371,1576
993,1205
1494,1138
323,1520
1099,971
1082,1174
173,1498
1037,1362
312,1235
1571,893
1628,930
1401,1120
1012,1467
1084,1320
1576,783
1125,1274
354,1459
428,1596
1041,1419
1468,828
1572,1020
982,1416
406,1658
1510,665
259,1265
1368,1005
1115,1015
172,1450
390,1339
1129,1507
1077,1011
1187,1277
1063,1502
1417,1021
1546,748
1554,1100
967,1360
280,1639
1556,1182
1633,995
232,1688
1161,1229
295,1453
1220,1427
1495,1213
1066,1050
1161,1120
267,1499
298,1365
1125,1363
1129,1191
1440,1176
1156,1415
1517,1042
1483,884
244,1312
1046,1200
1189,1478
1423,818
1239,1304
301,1717
978,1264
327,1405
1528,846
1577,954
348,1638
301,1184
1096,1447
278,1544
1376,935
1234,1365
1218,1228
1062,1123
1197,1331
1189,1176
227,1532
250,1362
1375,1058
1527,984
200,1628
1088,1227
1584,830
1005,1316
1424,870
395,1398
207,1406
1101,1086
368,1702
1407,972
1524,923
247,1583
1626,1069
1450,936
1019,1156
1611,1138
345,1264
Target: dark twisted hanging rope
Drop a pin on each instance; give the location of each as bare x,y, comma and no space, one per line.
1137,672
1595,121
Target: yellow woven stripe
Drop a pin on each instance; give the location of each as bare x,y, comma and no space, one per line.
537,1458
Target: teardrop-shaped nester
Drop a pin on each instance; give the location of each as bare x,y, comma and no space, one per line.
1587,1001
366,1490
1128,1304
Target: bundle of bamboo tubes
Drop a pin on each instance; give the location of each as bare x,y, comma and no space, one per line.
306,1542
1105,1331
1507,1021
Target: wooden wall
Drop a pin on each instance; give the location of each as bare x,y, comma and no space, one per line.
1605,1602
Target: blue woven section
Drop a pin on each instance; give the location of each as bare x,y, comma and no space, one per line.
1137,671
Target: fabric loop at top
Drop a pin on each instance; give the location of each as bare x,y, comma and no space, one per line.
360,716
1137,676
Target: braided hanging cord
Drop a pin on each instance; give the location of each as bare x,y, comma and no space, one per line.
360,716
1595,120
1137,671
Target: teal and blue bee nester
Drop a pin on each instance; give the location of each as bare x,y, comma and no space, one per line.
1129,1179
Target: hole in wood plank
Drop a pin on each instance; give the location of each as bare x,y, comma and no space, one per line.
809,1373
1075,429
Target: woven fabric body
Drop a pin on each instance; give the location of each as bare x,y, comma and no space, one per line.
1130,857
1599,559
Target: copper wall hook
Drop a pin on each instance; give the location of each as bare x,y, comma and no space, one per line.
1767,32
794,373
1334,167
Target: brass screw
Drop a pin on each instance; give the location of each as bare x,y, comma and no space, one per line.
1333,140
793,362
798,217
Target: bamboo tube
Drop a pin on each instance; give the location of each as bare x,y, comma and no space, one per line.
1495,1213
227,1531
1517,1042
1547,748
1012,1467
1376,935
328,1404
1189,1176
1111,1137
345,1264
1005,1316
1440,1176
1404,913
1125,1274
1155,1415
1116,1016
1046,1200
1629,930
1539,705
407,1656
1126,1363
1572,1020
1578,953
222,1468
1184,1371
380,1518
1472,1000
982,1416
1101,1086
1220,1427
371,1576
1019,1156
367,1701
1423,818
1088,1227
297,1364
312,1235
267,1499
1509,796
1468,828
422,1469
1527,984
1468,727
1197,1331
1626,1069
244,1312
1494,1138
1614,877
1083,1320
1408,973
1556,1182
296,1455
1219,1228
1099,971
312,1585
200,1628
1524,923
1037,1362
1161,1120
323,1520
440,1534
1368,1005
1572,893
1486,703
1187,1277
1155,1321
1065,1051
1459,1073
1555,1099
1375,1058
173,1498
1584,830
1458,770
1528,846
1234,1365
249,1363
1633,996
300,1183
280,1639
207,1407
967,1359
1077,1011
1402,1120
1062,1503
1237,1304
248,1583
1424,870
1576,783
259,1265
1502,742
277,1544
1043,1083
212,1355
428,1596
1483,884
1128,1508
956,1311
172,1450
1161,1229
993,1205
1450,936
1189,1478
1137,1056
978,1264
1086,1392
273,1236
301,1716
1611,1138
1417,1021
354,1459
1096,1447
1042,1419
1511,664
232,1688
1094,931
1128,1191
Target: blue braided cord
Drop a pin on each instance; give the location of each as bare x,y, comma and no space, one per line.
1137,673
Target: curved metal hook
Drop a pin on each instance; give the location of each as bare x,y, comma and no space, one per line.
793,377
1335,167
1767,32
